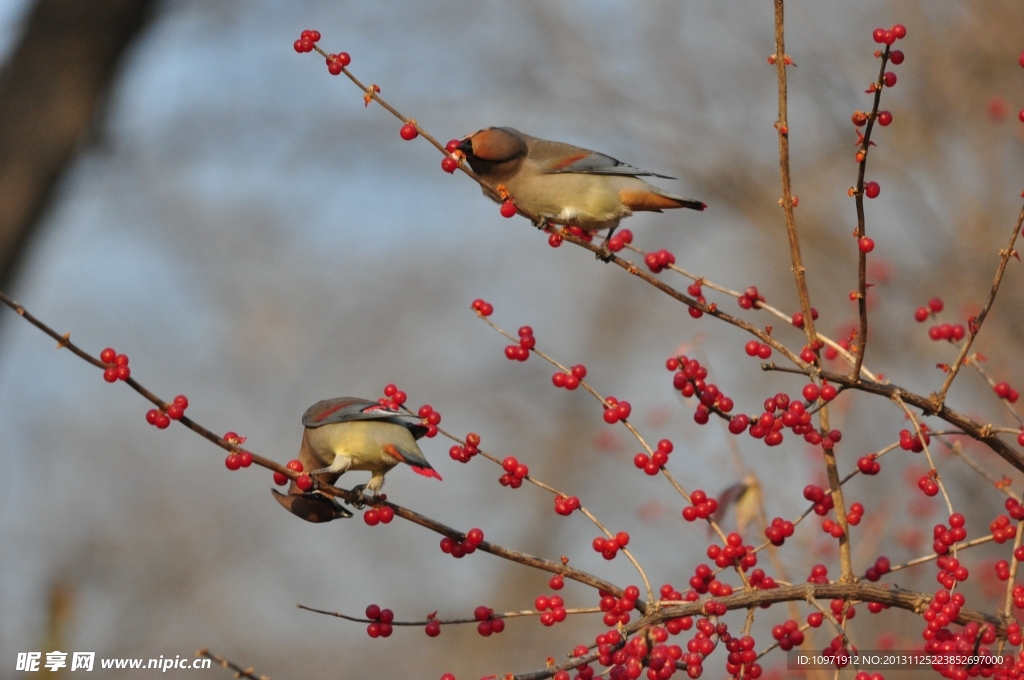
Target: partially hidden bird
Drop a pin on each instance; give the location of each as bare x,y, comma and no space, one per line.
565,184
349,433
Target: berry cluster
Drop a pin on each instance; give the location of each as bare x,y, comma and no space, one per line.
521,352
910,441
116,365
515,473
689,380
652,464
306,41
950,571
753,348
304,482
759,580
615,410
733,554
488,622
944,537
928,484
570,380
382,618
701,506
788,635
239,458
781,412
855,514
1004,391
467,546
842,610
431,419
553,603
161,418
565,505
750,298
879,569
336,63
393,397
779,530
798,318
450,163
694,289
482,308
616,609
832,528
822,501
609,547
868,464
620,240
1002,530
464,453
659,260
382,515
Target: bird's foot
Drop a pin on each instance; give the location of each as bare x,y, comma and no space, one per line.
604,254
357,491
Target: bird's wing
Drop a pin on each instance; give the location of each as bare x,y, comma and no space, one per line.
347,409
558,157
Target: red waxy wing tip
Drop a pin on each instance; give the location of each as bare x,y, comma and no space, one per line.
426,472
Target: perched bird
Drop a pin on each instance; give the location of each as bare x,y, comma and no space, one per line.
565,184
349,433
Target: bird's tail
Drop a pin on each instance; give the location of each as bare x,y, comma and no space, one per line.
656,200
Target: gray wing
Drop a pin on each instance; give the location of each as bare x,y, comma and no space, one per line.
578,160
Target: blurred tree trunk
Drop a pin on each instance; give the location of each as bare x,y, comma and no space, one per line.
49,93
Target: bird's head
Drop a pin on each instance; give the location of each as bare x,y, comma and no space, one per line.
494,152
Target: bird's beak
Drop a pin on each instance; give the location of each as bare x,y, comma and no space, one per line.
466,146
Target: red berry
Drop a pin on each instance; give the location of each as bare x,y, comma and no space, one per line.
896,57
280,478
871,189
163,422
888,37
811,392
1002,390
579,371
449,165
233,461
936,305
344,58
764,351
371,516
921,314
107,355
333,65
246,458
866,244
475,537
110,375
555,240
752,347
622,539
878,35
373,612
123,372
482,613
508,208
304,482
884,118
294,465
1020,115
175,412
409,132
433,629
452,145
889,78
900,30
828,393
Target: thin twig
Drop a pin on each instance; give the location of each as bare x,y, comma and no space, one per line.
224,663
974,326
